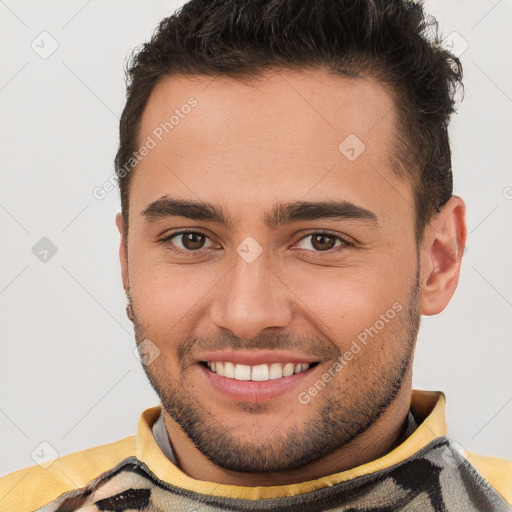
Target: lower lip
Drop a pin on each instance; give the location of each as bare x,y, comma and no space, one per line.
255,391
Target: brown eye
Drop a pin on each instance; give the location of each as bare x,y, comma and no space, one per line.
321,242
188,241
192,241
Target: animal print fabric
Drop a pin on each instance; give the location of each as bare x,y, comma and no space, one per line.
436,479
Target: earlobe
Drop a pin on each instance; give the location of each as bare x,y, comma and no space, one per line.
123,251
441,256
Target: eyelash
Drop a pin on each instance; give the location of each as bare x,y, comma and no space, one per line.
167,241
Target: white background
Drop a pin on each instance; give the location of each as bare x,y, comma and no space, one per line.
68,375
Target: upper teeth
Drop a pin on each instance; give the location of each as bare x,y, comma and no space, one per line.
259,372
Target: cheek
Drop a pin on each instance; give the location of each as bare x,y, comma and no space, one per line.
341,303
168,297
172,300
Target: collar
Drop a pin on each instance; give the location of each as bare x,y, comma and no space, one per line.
428,408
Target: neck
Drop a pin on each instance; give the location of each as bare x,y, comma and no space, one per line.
382,437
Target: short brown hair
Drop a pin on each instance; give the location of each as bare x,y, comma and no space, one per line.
391,39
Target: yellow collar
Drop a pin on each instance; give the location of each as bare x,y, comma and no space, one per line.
427,406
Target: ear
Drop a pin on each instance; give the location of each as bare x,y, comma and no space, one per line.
441,256
123,251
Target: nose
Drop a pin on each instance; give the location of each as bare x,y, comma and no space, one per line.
250,299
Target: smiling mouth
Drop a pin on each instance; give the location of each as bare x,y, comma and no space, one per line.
260,372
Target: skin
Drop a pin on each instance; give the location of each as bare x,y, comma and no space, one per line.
244,148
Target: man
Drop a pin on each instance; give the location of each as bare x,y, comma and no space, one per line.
287,217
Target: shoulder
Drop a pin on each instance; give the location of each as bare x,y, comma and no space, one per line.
496,471
31,488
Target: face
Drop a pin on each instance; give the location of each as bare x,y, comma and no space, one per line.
269,235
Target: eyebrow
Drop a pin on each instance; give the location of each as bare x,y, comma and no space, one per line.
279,214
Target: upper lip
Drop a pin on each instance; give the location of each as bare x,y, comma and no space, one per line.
255,357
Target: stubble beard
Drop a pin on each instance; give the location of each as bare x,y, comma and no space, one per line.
341,414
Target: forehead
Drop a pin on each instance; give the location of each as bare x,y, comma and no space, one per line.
295,106
288,133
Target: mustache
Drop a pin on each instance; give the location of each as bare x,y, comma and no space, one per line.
317,348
